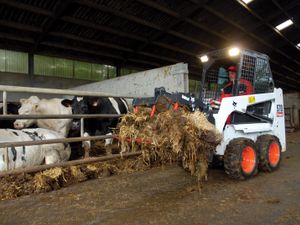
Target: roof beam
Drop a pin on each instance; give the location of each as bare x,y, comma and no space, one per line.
286,78
174,48
73,37
13,46
225,18
53,52
26,7
184,18
289,5
16,38
35,29
285,12
81,50
125,35
187,20
145,62
117,13
173,24
141,22
20,26
101,53
286,86
114,46
266,23
98,27
89,41
275,62
68,47
295,87
157,6
102,28
60,8
99,43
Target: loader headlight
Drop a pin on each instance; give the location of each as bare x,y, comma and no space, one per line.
204,58
234,51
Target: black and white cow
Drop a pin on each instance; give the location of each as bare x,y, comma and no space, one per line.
12,108
25,156
97,105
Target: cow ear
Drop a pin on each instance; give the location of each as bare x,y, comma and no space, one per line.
95,103
66,102
36,107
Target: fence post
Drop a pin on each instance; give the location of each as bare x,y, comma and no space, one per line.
4,113
6,158
85,145
81,126
4,102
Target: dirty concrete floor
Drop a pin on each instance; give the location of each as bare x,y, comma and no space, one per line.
169,196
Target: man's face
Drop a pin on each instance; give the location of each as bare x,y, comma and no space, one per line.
232,75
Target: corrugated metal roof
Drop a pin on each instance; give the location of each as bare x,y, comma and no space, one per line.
144,33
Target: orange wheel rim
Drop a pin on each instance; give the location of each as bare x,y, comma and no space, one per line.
274,153
248,159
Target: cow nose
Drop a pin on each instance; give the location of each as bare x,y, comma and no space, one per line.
18,125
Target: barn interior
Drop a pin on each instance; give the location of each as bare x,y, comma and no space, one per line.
86,45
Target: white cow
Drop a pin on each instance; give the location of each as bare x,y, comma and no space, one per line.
25,156
36,106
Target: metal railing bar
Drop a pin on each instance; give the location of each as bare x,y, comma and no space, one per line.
68,163
56,91
53,141
59,116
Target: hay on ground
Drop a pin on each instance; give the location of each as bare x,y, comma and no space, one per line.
55,178
168,137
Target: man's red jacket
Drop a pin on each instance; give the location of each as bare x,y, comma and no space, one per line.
246,88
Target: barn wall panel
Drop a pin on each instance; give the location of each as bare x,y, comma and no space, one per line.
173,78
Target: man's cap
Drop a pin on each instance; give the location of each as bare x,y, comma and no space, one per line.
232,68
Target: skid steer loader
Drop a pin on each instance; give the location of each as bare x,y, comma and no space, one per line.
249,113
250,118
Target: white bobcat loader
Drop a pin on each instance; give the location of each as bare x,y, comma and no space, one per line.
249,114
247,110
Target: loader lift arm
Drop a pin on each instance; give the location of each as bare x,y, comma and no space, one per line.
164,100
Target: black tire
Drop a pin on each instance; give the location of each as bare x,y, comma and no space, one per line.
234,163
263,146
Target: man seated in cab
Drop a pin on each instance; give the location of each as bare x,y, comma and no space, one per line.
246,88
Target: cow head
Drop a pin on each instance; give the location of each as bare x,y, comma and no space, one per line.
28,107
78,104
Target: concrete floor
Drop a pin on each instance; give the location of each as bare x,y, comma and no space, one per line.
169,196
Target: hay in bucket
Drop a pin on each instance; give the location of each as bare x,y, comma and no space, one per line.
170,136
